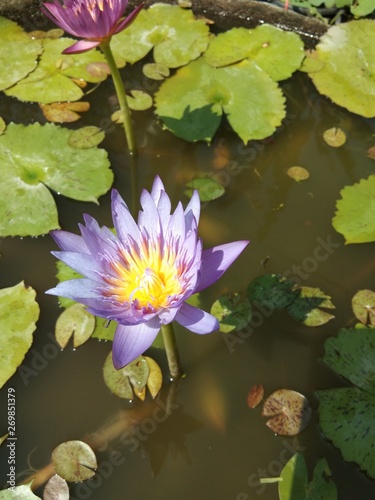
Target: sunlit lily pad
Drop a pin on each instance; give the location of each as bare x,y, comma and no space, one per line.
232,311
294,483
120,382
334,137
155,71
74,461
363,304
192,101
255,395
175,36
74,322
18,53
64,112
155,377
86,137
22,492
19,312
307,306
208,188
104,329
347,52
355,214
56,489
279,53
289,412
53,79
29,166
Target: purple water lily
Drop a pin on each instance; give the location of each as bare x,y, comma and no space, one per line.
142,276
93,20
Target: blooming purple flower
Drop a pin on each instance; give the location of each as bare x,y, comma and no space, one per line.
142,276
93,20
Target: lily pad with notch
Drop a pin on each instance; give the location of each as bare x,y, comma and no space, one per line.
74,461
363,305
233,312
307,306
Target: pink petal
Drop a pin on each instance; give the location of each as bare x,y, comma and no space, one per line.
216,260
196,320
81,46
129,19
132,341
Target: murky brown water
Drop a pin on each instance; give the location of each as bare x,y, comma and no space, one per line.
212,445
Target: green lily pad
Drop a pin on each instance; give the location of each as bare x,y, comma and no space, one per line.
298,173
18,314
355,214
74,461
155,71
74,321
363,305
53,79
22,492
207,187
279,53
294,483
18,53
232,312
362,8
29,166
137,101
346,417
273,291
191,102
347,76
104,329
307,304
173,33
86,137
121,382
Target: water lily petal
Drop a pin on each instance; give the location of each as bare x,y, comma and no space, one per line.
192,210
216,260
123,221
76,289
81,46
83,263
125,23
196,320
132,341
69,242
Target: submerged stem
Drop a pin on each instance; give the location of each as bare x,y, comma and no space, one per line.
171,350
121,95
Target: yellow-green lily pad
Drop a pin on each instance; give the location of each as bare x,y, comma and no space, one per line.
347,75
207,187
232,311
307,306
53,79
29,166
86,137
173,33
76,322
121,382
18,53
355,214
74,461
279,53
363,305
19,312
192,101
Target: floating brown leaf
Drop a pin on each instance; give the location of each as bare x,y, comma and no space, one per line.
255,395
289,410
64,112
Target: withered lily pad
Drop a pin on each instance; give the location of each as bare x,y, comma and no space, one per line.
363,304
53,79
346,75
192,101
298,173
355,214
175,36
279,53
56,489
307,305
334,137
255,395
29,166
74,322
207,187
64,112
74,461
120,382
289,412
19,312
294,484
22,492
18,53
232,311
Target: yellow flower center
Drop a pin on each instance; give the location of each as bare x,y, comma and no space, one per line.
149,278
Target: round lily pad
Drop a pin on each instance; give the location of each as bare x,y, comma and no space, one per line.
120,382
289,410
207,187
334,137
74,461
363,304
76,322
298,173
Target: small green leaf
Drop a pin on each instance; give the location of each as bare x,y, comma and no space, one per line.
273,291
294,479
18,314
104,329
355,214
156,71
139,100
307,305
86,137
232,312
74,461
298,173
120,382
207,187
74,321
363,304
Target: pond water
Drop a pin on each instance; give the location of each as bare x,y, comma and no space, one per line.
211,445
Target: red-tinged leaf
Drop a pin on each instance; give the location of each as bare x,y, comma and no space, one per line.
255,395
290,412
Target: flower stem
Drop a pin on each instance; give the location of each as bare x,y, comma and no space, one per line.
171,349
121,95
